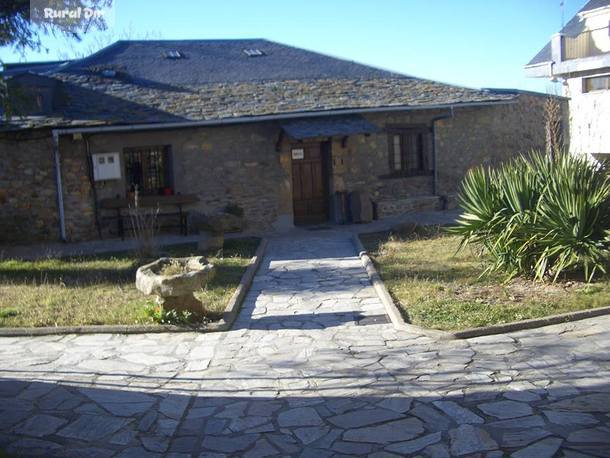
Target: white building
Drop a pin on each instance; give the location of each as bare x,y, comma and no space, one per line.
579,57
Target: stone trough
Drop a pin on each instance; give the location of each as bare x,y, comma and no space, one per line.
176,291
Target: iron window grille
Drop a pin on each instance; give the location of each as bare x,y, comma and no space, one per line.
148,169
408,151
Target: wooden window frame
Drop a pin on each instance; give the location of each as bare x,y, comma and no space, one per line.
586,89
403,131
164,175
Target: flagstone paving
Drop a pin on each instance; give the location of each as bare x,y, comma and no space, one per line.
310,369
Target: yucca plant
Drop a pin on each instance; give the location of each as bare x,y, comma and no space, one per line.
539,215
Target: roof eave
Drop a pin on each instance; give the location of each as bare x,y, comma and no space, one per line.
540,70
275,117
584,64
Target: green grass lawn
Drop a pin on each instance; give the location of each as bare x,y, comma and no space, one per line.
437,286
101,289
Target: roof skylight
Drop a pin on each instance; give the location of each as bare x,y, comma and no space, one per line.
253,52
174,54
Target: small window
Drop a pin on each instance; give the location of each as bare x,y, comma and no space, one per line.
408,151
40,102
148,169
397,147
596,83
253,52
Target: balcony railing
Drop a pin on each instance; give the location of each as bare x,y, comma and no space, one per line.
586,44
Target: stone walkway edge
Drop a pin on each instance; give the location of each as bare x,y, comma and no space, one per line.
224,324
312,367
399,322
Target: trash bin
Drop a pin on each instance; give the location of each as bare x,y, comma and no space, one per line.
340,213
361,207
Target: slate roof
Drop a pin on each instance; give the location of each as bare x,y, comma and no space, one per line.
133,82
571,29
328,126
19,68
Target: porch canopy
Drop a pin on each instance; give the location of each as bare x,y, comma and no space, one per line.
328,126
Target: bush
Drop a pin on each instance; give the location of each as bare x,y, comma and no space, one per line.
539,216
160,315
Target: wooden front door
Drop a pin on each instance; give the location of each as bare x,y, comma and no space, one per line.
309,183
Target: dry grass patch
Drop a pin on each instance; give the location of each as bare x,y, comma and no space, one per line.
437,286
101,289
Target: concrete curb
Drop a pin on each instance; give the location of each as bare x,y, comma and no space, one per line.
395,316
530,324
234,305
399,322
224,324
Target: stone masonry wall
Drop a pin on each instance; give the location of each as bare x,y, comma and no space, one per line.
474,135
221,165
239,164
28,209
77,191
28,194
363,164
487,135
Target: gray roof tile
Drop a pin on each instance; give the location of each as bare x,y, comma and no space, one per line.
328,126
216,80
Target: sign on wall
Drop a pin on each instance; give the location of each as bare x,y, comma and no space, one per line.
298,153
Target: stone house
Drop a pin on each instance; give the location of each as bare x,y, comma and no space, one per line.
285,134
579,57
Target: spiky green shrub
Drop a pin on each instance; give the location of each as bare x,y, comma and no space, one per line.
539,216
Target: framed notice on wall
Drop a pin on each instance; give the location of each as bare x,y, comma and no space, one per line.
298,153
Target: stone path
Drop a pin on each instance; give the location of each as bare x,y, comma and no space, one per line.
310,369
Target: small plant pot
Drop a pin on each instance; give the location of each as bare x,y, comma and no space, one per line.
176,291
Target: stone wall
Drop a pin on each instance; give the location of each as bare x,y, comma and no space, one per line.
240,164
469,137
28,204
220,165
390,207
363,162
79,209
28,193
487,135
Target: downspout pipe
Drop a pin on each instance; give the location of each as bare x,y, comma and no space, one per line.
93,188
58,186
434,153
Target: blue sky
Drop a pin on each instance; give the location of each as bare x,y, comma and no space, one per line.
476,43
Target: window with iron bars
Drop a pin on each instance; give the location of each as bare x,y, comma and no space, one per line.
148,169
408,150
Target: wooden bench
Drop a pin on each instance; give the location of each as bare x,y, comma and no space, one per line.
122,206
